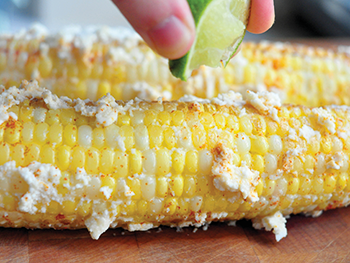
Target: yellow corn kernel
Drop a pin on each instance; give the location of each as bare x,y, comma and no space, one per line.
190,187
297,165
169,138
170,205
203,185
10,202
84,209
128,133
106,162
4,153
17,154
55,134
164,118
121,164
259,125
232,123
12,132
271,128
135,187
162,186
68,116
69,207
63,187
259,145
163,161
316,185
63,157
123,120
220,120
293,185
77,158
40,133
135,162
199,137
329,184
245,125
245,207
326,145
258,163
155,135
246,159
176,186
227,139
32,153
3,61
177,117
108,181
92,161
150,117
342,181
192,161
53,208
142,207
209,204
309,163
305,185
285,202
98,138
269,187
207,120
103,88
45,66
183,206
313,146
27,133
70,135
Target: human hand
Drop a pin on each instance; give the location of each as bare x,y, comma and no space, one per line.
167,26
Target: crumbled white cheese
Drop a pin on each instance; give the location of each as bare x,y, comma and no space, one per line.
308,133
233,178
336,161
276,222
324,118
265,102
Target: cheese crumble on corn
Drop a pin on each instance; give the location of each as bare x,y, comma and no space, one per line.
138,164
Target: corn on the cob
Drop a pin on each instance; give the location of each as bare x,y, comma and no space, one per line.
139,164
90,64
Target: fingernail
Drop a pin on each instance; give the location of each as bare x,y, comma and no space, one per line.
172,38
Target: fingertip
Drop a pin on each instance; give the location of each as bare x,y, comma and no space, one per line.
262,16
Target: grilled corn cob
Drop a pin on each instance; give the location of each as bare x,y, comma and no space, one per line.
90,64
138,164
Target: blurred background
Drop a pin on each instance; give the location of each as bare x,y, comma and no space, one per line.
294,18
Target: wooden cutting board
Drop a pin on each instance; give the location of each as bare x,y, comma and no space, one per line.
322,239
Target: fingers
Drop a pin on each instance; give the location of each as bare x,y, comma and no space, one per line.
262,16
167,26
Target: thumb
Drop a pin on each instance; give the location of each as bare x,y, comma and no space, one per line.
167,26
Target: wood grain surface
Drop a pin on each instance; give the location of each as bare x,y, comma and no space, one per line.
322,239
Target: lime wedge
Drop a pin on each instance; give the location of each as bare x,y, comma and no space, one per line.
220,28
